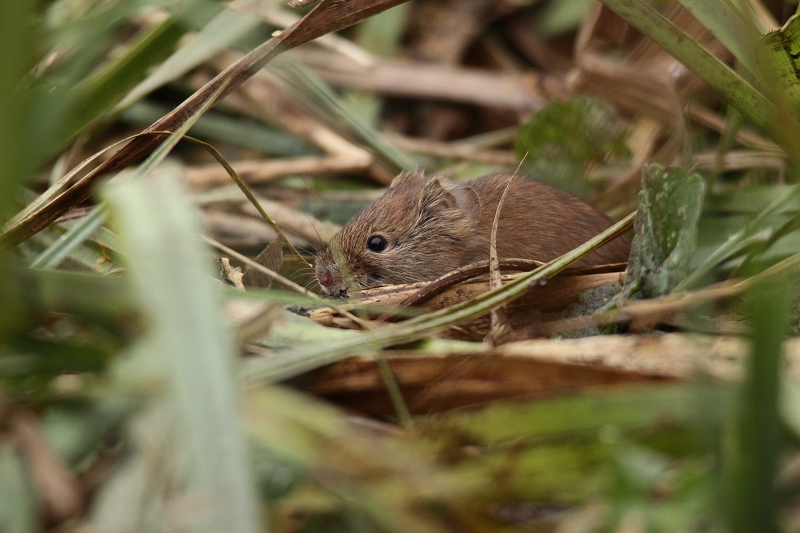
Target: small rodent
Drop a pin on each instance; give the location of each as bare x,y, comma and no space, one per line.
424,227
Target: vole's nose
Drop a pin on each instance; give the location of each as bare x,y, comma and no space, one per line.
325,278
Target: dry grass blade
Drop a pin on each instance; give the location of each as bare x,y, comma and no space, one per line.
327,17
258,171
500,326
547,299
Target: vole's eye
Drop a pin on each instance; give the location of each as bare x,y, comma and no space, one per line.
376,243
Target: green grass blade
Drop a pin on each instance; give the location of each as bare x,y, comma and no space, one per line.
171,272
758,229
216,126
636,408
735,28
16,43
753,498
54,255
18,502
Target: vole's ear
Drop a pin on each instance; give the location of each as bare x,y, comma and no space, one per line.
436,197
410,178
467,200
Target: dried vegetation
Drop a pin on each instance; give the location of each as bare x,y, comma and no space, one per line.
148,386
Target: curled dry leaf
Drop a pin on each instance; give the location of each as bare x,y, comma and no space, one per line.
272,258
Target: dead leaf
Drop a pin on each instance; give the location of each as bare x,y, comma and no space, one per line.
270,257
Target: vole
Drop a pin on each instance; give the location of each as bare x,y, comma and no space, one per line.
424,226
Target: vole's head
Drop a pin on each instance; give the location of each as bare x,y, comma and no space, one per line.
417,230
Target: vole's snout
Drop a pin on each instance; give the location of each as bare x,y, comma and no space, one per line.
330,280
325,278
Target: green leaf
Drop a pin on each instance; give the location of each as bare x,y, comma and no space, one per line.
785,47
634,408
318,97
736,28
85,98
171,273
670,204
561,16
754,457
77,431
224,29
763,228
47,359
52,256
217,127
99,92
565,140
17,500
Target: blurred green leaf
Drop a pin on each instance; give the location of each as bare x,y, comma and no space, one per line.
16,41
17,499
753,457
560,16
746,200
313,93
660,493
88,257
670,203
53,255
215,126
760,230
734,24
557,450
83,98
379,35
171,271
98,93
380,474
76,431
29,357
224,29
635,409
565,140
30,292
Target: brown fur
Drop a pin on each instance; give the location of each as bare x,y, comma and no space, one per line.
433,227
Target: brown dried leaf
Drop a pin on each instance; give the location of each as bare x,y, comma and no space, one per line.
270,257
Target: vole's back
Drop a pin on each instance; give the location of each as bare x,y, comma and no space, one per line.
540,222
